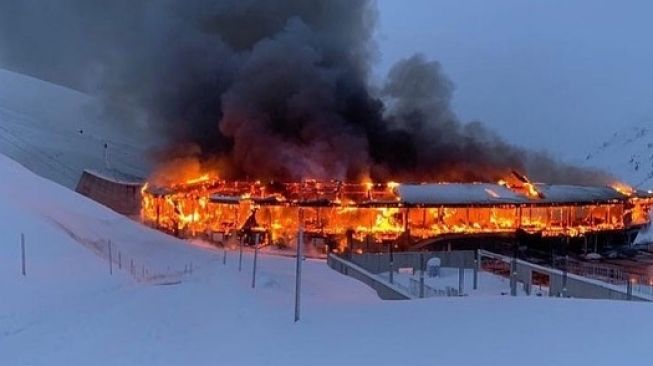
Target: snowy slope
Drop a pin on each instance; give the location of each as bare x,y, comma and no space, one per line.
68,310
627,153
57,132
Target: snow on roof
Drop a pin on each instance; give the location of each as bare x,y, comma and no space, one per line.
458,194
116,176
454,194
494,194
640,193
577,194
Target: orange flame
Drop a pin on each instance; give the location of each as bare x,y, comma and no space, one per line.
201,204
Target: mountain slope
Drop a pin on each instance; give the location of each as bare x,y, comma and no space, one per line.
628,154
57,132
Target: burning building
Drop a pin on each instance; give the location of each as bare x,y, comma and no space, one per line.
283,91
368,216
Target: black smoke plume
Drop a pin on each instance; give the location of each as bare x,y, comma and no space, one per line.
271,89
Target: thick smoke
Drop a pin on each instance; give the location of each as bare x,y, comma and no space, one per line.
271,89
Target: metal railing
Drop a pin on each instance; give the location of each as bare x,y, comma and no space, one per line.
428,291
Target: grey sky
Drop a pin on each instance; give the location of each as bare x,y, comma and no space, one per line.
554,74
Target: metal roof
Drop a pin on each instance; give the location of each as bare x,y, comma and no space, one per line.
116,176
449,194
569,194
458,194
484,194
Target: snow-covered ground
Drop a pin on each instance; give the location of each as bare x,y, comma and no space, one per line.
68,309
58,132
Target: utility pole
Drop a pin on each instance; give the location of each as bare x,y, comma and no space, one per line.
392,262
298,268
240,255
254,267
477,265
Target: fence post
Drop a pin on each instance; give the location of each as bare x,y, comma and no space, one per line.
119,260
110,258
477,265
629,289
22,254
224,256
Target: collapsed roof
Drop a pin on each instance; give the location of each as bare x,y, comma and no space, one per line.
424,195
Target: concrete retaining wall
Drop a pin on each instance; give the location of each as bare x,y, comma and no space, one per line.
385,290
577,286
380,262
121,196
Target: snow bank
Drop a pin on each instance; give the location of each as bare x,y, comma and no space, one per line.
68,310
